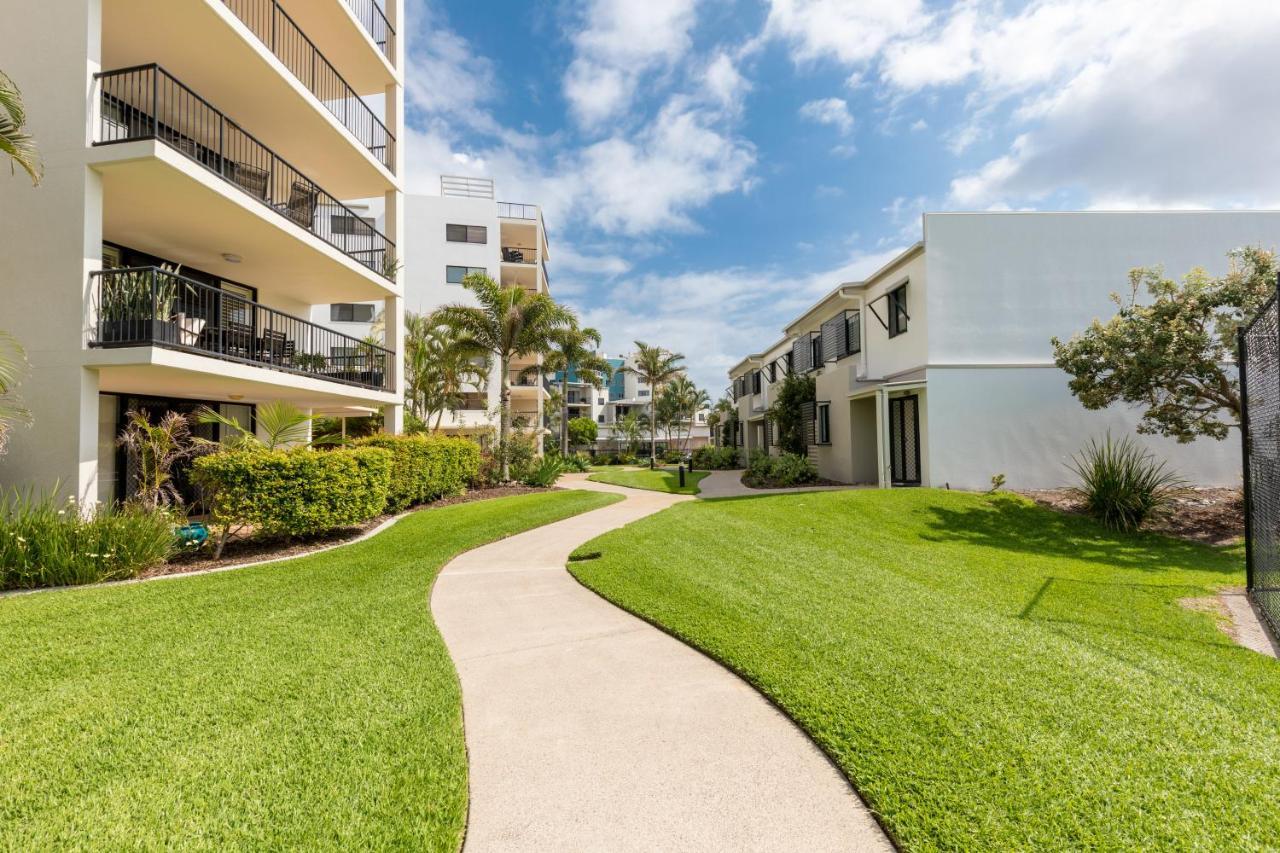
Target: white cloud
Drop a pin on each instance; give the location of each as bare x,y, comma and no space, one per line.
716,317
848,31
1170,104
827,191
620,41
829,111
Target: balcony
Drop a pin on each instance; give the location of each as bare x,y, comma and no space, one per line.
146,103
155,307
283,37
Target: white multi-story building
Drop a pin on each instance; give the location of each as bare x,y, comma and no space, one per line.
628,394
937,369
207,163
463,230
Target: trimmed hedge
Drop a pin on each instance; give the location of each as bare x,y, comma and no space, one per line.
295,492
424,468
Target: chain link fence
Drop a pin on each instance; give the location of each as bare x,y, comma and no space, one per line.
1259,361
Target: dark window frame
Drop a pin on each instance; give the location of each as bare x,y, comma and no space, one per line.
899,318
466,271
336,309
458,233
822,423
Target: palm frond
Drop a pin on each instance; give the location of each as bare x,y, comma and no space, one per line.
14,140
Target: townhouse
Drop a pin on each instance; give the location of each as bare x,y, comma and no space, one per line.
937,369
204,165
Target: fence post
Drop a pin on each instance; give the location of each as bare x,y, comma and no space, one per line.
1242,359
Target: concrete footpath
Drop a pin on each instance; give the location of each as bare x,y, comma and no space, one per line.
590,730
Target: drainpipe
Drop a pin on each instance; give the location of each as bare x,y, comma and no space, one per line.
882,438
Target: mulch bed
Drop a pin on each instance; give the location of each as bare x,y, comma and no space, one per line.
276,548
1212,516
821,481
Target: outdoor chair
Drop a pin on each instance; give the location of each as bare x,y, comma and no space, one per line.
251,179
302,205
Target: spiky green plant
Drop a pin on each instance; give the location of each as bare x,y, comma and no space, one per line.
1122,484
14,138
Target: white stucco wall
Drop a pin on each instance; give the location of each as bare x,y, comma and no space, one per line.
1024,423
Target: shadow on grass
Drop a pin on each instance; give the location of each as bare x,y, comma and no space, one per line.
1014,524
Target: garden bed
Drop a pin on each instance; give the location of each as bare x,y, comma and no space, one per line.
820,482
1212,516
253,550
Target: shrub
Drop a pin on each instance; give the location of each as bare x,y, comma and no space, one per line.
673,457
424,468
789,414
626,458
710,458
579,462
44,542
1122,484
779,472
582,432
522,456
293,492
544,473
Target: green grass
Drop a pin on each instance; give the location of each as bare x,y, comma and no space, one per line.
307,705
658,480
989,674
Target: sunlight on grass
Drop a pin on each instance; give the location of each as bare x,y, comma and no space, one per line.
990,674
658,480
307,704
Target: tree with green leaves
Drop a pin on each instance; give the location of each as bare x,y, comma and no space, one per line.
15,141
1171,353
582,432
13,366
788,412
718,418
655,366
687,399
573,351
629,428
155,450
509,323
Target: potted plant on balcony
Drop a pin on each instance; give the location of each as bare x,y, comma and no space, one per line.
136,307
311,361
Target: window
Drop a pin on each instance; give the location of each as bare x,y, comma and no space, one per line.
466,233
824,423
349,312
599,401
853,333
898,316
455,275
755,382
815,352
599,419
358,226
642,393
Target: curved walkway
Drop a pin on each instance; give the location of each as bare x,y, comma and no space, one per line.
588,729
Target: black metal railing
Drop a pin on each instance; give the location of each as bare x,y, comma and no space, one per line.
274,28
146,102
519,255
154,306
374,20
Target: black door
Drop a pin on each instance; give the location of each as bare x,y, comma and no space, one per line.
904,440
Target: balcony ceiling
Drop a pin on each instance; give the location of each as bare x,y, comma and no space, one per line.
153,371
163,204
201,43
333,28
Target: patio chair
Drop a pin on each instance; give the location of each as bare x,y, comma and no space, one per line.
302,205
251,179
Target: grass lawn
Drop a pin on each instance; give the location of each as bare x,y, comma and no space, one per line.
657,480
990,675
308,704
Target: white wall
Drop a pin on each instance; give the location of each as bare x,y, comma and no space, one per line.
1023,422
1001,284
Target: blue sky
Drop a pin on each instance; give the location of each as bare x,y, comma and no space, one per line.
708,168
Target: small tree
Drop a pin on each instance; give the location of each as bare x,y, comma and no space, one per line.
656,367
1171,355
155,450
582,431
788,413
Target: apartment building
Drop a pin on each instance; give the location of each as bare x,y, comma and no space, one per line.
628,394
937,370
204,164
462,230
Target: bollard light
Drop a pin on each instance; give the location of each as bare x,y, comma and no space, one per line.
682,475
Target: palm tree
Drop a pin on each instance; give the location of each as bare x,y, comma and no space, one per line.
282,425
629,428
439,364
510,323
13,365
656,367
688,399
14,140
574,351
